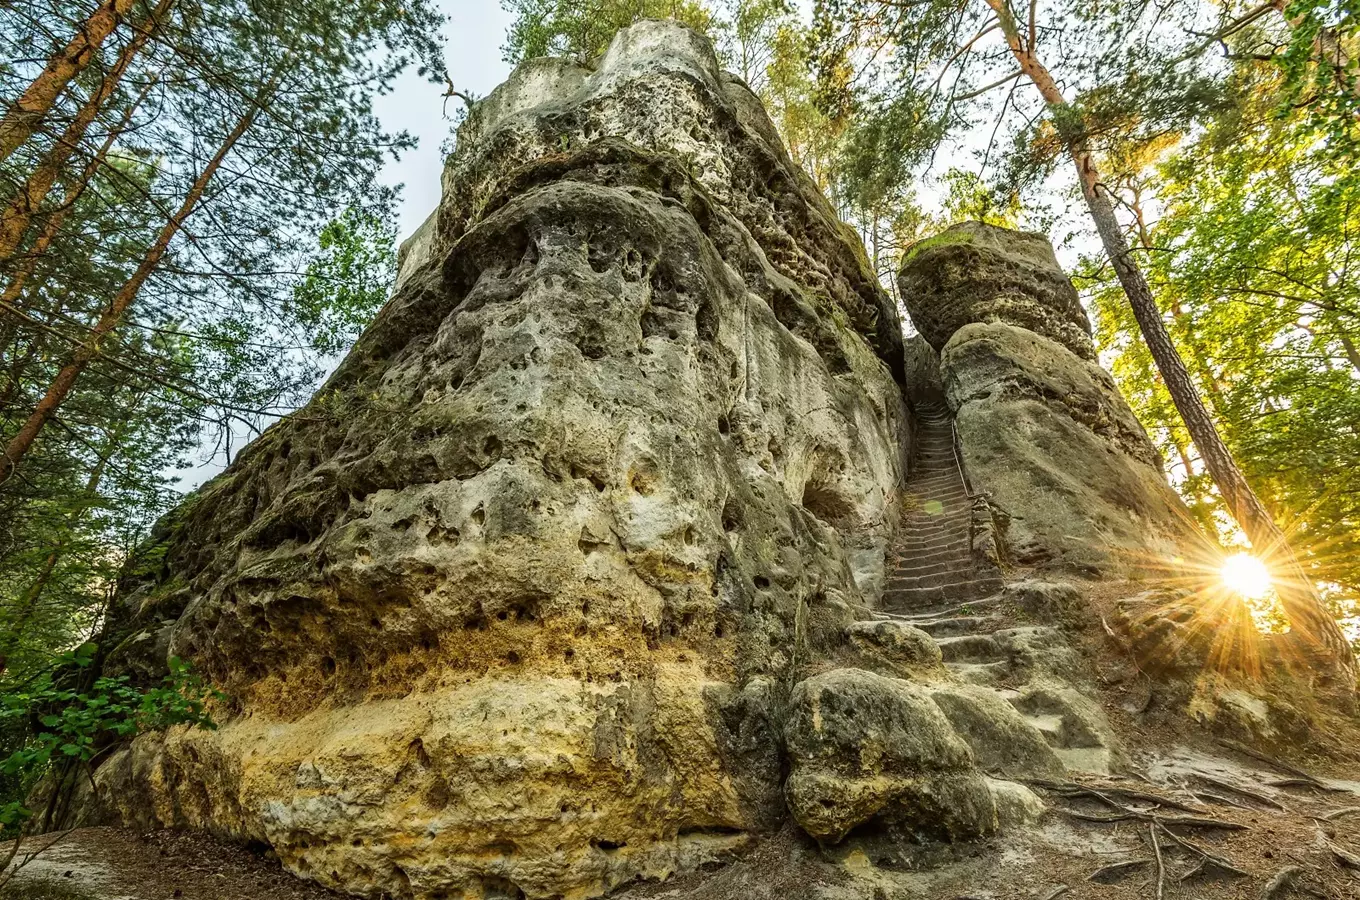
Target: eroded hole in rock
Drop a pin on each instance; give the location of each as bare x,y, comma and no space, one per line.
643,481
478,516
494,888
762,582
706,322
437,795
827,504
600,259
731,516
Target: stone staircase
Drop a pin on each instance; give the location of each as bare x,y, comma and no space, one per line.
986,641
933,561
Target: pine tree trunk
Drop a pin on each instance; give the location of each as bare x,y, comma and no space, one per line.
10,312
65,379
16,217
1298,594
23,118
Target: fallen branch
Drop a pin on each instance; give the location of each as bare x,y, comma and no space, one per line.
1056,892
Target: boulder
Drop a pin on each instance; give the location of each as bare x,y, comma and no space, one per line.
897,646
864,748
1003,743
974,272
1045,435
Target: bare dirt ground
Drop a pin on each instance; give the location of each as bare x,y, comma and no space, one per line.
119,864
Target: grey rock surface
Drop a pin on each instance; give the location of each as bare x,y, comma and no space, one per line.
974,272
864,748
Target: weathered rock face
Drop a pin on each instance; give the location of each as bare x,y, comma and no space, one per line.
509,607
974,272
1043,429
867,748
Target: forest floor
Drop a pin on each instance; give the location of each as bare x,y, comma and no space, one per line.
120,864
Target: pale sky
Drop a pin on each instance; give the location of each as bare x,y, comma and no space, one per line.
474,34
472,54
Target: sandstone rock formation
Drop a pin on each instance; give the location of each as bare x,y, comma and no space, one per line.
512,604
1043,429
576,572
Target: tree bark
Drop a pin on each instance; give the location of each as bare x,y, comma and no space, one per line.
88,349
23,118
1298,594
16,217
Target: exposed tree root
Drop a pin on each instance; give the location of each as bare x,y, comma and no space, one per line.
1338,813
1114,870
1105,792
1344,857
1209,863
1159,826
1300,777
1233,788
1284,880
1166,821
1161,864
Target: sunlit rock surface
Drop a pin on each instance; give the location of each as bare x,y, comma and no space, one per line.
512,604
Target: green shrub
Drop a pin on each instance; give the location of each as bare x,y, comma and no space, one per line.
50,728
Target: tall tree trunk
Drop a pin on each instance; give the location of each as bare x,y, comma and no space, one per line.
1352,353
65,379
23,118
1298,594
10,318
16,217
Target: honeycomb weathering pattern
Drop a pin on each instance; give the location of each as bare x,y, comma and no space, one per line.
511,604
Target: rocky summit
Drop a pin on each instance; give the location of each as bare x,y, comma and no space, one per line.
631,539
